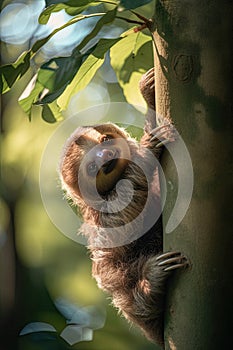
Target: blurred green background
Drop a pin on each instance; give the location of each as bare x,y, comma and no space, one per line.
38,263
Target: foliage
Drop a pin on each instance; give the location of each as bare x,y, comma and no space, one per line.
80,324
56,80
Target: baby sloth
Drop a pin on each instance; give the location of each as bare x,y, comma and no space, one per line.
114,181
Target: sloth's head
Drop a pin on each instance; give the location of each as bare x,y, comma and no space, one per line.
94,160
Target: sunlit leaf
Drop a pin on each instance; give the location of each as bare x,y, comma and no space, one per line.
50,113
35,327
87,70
10,73
56,74
72,7
130,54
49,83
73,11
83,5
130,5
106,19
38,44
30,95
45,15
130,58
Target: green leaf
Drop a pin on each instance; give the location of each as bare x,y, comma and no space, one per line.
106,19
51,113
130,5
43,41
11,73
87,70
72,7
48,84
56,74
30,95
47,115
83,5
130,58
45,15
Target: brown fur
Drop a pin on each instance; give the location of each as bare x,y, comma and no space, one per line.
130,273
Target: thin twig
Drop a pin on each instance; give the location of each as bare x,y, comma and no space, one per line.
129,20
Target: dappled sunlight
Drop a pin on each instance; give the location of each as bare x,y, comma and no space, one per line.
18,21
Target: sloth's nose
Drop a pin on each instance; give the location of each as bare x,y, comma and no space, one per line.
105,154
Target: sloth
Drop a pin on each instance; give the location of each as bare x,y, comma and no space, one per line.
114,180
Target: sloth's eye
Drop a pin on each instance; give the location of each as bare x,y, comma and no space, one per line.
92,169
106,139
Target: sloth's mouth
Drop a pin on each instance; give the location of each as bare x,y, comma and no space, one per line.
109,166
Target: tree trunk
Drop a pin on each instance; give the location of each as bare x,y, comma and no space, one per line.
194,87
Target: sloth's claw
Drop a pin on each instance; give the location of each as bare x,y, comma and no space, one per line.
158,128
165,134
162,143
147,86
172,260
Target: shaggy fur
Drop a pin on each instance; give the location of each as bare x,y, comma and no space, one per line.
131,272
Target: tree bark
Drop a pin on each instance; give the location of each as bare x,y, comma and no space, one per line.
194,87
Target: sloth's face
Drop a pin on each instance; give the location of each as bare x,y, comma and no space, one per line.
105,155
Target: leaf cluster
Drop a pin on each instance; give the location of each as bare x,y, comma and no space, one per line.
80,325
55,81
